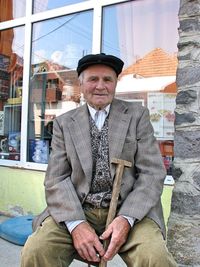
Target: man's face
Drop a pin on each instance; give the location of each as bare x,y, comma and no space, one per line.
98,84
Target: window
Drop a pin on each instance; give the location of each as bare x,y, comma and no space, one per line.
11,82
143,33
147,42
57,45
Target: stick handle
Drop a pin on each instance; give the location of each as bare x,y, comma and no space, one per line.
115,195
113,205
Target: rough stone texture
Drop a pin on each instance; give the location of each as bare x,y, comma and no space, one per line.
196,179
183,239
184,118
176,172
187,144
186,97
191,24
189,8
189,50
188,75
182,203
184,223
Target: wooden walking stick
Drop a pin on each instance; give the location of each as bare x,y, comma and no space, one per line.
115,195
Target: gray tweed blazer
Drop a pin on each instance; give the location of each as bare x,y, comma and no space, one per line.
69,172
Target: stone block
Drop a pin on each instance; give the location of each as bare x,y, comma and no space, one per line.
184,118
184,239
187,144
186,97
185,203
189,8
188,75
190,24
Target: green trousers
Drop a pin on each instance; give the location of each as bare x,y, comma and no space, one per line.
51,245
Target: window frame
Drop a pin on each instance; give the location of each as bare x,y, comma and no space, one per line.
27,21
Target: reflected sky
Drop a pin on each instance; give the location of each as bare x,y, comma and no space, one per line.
130,31
43,5
63,40
138,27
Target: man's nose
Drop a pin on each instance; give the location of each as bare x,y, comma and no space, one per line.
100,84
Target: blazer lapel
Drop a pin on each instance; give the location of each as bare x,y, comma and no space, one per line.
119,120
80,133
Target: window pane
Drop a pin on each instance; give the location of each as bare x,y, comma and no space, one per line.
57,45
147,43
12,9
11,78
44,5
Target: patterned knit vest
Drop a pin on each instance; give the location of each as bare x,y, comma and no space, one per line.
101,185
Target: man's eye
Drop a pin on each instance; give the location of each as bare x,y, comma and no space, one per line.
108,80
92,79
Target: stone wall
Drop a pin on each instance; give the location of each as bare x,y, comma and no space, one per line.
184,221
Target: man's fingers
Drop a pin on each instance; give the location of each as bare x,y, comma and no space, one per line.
111,252
82,253
91,251
106,234
99,248
117,231
89,254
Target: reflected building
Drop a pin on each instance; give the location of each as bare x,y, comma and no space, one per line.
150,81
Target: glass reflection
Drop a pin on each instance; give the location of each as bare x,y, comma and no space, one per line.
57,45
11,82
12,9
150,56
44,5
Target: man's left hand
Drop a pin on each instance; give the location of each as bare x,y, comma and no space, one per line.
117,231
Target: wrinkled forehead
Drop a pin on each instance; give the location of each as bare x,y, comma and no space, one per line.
99,70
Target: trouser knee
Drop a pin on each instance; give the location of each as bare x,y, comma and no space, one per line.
154,255
31,250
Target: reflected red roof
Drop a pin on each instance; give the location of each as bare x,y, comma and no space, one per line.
154,64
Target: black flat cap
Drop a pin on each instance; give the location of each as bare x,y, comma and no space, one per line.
111,61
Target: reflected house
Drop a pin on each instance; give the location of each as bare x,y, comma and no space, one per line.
155,63
54,78
54,90
151,81
6,39
11,75
153,72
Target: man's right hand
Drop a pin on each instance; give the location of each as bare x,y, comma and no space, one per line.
87,243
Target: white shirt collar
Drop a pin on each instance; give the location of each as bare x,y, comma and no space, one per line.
93,111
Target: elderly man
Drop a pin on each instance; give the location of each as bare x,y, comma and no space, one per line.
79,180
